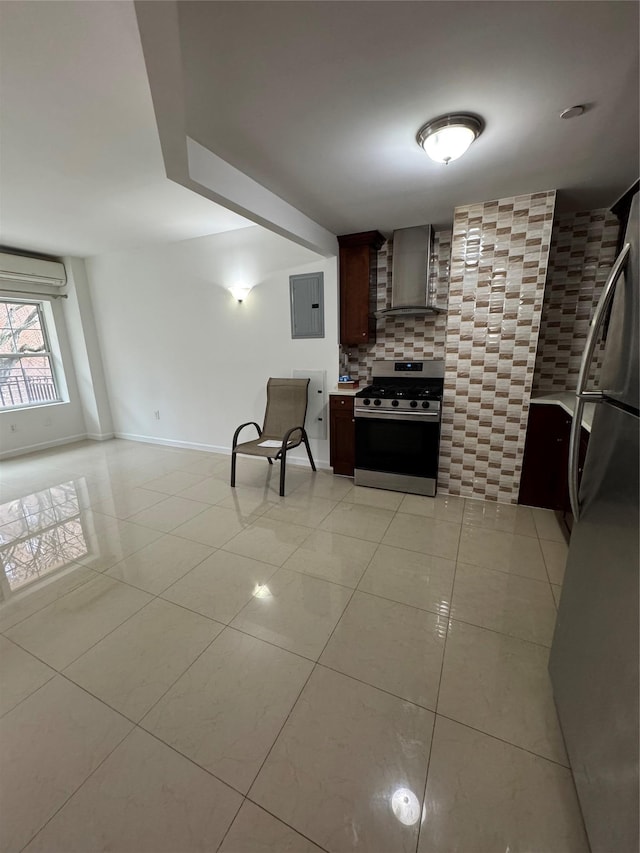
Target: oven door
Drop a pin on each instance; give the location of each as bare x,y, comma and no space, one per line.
397,444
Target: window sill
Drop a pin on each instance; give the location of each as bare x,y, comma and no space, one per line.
38,406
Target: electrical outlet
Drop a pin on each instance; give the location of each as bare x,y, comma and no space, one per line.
47,422
14,427
156,414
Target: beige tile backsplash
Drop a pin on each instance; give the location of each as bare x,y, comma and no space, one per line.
583,249
499,260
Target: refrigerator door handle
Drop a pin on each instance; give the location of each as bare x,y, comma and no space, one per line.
582,395
574,454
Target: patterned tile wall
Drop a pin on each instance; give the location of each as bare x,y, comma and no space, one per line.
583,249
405,337
499,261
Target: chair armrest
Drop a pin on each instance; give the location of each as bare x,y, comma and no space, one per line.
240,428
285,440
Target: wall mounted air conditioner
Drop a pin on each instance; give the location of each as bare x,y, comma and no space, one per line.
23,270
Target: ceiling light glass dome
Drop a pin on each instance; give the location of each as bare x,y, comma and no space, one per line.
446,138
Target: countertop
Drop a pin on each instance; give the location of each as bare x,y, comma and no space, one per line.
348,392
567,400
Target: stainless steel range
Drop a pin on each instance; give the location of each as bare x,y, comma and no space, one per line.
397,421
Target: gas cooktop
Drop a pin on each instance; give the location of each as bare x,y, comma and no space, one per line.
412,391
403,386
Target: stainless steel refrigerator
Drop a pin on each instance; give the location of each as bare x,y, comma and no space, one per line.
594,660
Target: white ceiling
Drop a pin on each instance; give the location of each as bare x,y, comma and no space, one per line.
81,171
317,101
321,101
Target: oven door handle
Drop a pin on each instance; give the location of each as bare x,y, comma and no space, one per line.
386,415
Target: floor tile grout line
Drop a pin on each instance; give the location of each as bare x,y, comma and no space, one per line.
75,791
544,560
135,613
175,681
166,601
228,829
117,710
435,713
451,618
506,742
40,609
546,569
500,633
138,725
281,820
226,626
233,820
105,572
502,571
293,706
376,687
29,695
311,574
115,628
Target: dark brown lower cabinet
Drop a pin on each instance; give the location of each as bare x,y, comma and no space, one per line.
544,480
342,434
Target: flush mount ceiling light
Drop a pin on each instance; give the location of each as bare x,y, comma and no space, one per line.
446,138
239,293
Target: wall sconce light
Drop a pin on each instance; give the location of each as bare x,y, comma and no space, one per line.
239,293
446,138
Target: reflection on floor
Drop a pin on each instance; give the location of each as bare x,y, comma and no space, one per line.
189,667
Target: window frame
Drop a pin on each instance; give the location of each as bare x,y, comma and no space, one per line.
45,317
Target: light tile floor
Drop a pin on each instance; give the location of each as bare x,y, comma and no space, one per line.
187,667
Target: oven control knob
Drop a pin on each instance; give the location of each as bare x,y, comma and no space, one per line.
395,404
426,404
366,402
413,404
377,402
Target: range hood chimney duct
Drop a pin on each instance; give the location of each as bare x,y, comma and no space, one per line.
411,273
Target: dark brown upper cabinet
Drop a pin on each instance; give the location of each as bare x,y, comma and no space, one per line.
358,286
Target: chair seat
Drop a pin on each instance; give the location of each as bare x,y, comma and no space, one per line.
252,448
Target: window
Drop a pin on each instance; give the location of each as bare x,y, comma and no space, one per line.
26,364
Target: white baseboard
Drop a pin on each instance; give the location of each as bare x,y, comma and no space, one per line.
43,445
170,442
323,464
100,436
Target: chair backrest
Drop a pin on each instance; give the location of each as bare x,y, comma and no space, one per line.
286,406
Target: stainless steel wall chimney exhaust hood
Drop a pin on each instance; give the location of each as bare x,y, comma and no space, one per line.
411,274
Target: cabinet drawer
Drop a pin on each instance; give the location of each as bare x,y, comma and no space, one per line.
341,403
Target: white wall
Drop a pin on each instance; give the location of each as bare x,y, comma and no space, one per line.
83,342
173,338
57,423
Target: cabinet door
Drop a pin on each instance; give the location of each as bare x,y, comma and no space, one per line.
342,439
354,295
358,286
546,458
